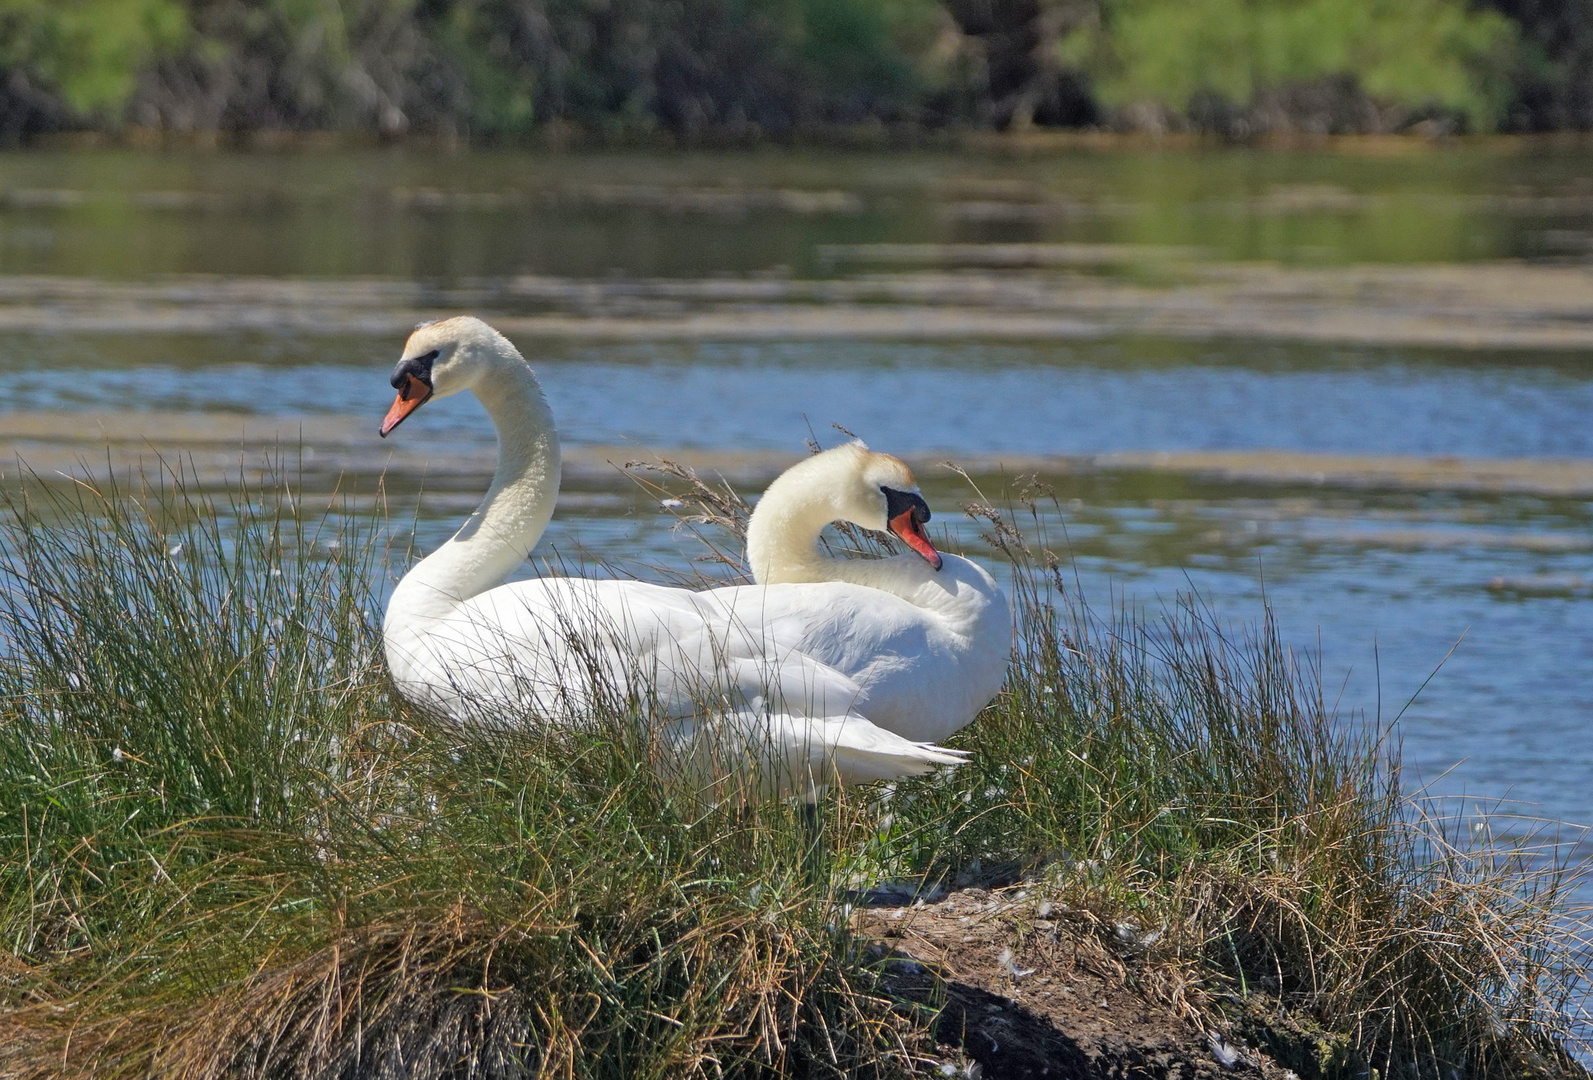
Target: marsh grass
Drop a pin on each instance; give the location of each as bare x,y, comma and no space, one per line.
1247,849
228,849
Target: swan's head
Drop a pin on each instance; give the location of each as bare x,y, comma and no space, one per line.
878,492
443,358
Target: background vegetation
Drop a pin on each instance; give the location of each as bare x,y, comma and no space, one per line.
749,68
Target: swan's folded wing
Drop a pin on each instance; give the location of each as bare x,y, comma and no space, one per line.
847,626
552,649
708,661
743,714
562,646
924,673
771,720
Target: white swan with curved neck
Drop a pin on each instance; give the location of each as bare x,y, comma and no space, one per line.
926,635
792,684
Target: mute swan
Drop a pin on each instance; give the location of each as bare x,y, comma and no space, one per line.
925,635
739,699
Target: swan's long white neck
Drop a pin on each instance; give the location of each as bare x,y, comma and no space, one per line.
517,507
783,534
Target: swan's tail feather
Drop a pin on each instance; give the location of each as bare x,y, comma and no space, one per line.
858,765
765,755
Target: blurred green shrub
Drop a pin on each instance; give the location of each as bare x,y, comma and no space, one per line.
488,67
1415,52
363,65
89,51
688,64
484,66
1553,77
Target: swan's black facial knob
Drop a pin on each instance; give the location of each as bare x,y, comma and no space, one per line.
898,503
905,515
418,367
412,380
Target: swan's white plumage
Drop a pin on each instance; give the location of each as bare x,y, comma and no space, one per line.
560,648
792,684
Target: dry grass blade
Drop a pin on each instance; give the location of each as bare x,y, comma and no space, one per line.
712,513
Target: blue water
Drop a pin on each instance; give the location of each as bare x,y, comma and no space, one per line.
970,397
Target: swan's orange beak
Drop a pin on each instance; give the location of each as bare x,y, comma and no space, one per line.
907,526
410,397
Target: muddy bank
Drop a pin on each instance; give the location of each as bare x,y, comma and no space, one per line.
213,445
1029,990
932,292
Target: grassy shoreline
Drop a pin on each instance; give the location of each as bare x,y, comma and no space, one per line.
227,849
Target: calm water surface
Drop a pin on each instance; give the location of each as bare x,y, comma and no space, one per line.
1384,583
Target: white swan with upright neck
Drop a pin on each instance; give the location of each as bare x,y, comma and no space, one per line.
827,670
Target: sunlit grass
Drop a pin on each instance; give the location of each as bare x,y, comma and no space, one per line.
227,848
